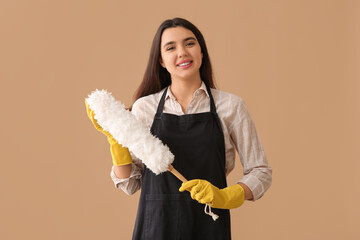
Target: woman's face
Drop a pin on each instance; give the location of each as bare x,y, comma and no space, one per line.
180,53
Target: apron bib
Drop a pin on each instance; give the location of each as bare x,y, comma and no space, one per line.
164,213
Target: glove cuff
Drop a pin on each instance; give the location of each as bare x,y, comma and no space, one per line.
234,197
120,155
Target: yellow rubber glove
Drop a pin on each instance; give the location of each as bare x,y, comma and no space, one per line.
204,192
120,155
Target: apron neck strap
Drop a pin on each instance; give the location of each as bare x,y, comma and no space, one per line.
212,102
162,101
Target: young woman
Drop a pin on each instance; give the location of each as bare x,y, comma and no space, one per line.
202,126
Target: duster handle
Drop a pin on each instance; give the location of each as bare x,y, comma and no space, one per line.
181,178
177,174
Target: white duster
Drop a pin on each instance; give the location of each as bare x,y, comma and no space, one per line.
112,116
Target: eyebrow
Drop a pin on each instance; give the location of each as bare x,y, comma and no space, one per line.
186,39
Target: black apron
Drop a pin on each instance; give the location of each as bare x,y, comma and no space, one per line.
164,213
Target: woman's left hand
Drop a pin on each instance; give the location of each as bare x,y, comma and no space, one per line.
204,192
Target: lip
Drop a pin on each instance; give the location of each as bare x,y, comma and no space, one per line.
184,61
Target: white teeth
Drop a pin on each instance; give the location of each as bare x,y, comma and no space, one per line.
184,64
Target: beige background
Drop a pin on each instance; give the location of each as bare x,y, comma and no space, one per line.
295,63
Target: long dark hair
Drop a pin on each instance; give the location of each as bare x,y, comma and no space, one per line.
156,77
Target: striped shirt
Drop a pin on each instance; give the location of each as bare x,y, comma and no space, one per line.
239,134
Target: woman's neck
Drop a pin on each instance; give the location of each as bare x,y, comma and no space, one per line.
183,91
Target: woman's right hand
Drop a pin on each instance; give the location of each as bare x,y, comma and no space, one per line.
120,155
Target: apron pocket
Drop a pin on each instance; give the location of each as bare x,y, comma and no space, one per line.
162,216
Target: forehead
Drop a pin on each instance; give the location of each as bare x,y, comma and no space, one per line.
176,34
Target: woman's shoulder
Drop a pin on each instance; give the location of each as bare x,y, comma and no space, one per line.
148,103
222,97
231,108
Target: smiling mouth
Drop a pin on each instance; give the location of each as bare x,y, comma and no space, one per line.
184,64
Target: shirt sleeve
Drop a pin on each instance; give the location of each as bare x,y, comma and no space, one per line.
133,183
257,171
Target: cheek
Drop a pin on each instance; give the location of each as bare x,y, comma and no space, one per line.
163,61
168,61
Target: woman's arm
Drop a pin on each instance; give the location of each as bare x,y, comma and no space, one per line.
257,172
122,172
247,191
128,177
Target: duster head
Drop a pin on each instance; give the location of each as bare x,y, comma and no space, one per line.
112,116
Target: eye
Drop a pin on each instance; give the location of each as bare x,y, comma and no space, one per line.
190,44
170,48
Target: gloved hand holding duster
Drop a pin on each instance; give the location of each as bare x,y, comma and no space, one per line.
120,155
204,192
119,124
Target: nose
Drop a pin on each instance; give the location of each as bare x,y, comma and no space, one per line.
182,52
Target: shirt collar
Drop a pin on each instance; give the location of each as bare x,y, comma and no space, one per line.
202,88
